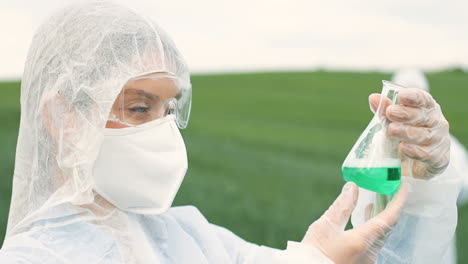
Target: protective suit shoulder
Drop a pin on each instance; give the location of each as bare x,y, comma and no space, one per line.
77,242
181,212
9,256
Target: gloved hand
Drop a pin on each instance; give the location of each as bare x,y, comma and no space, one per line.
359,245
423,130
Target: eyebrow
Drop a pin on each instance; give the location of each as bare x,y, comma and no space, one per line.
142,93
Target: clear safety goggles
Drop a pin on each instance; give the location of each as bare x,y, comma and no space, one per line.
152,96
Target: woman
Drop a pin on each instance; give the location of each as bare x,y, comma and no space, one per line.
100,157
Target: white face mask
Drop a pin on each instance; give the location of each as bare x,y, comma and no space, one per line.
140,169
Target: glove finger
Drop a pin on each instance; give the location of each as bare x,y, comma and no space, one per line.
417,152
375,100
335,218
436,157
378,226
414,116
339,212
416,98
368,211
414,134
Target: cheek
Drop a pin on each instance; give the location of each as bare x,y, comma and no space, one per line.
113,124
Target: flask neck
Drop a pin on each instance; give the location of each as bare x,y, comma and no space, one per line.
389,96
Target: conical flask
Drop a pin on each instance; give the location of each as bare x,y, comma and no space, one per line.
374,161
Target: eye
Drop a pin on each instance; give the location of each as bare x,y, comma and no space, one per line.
140,109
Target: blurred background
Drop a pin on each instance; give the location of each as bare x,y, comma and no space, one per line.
280,96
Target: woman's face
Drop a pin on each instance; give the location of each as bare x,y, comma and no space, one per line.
142,100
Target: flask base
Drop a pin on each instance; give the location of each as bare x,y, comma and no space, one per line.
383,180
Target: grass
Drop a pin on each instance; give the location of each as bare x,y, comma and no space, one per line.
265,149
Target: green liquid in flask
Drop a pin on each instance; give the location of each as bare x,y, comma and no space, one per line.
383,180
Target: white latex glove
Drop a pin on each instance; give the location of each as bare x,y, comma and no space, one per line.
423,130
359,245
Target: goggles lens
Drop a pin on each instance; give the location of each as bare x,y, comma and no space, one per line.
150,97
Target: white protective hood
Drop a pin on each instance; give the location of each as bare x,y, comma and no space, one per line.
77,64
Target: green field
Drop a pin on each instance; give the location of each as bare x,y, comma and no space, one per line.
265,150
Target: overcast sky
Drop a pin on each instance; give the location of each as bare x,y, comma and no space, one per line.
246,35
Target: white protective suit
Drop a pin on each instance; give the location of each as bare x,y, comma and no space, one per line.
458,167
78,62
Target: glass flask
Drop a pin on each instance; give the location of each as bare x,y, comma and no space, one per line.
374,161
